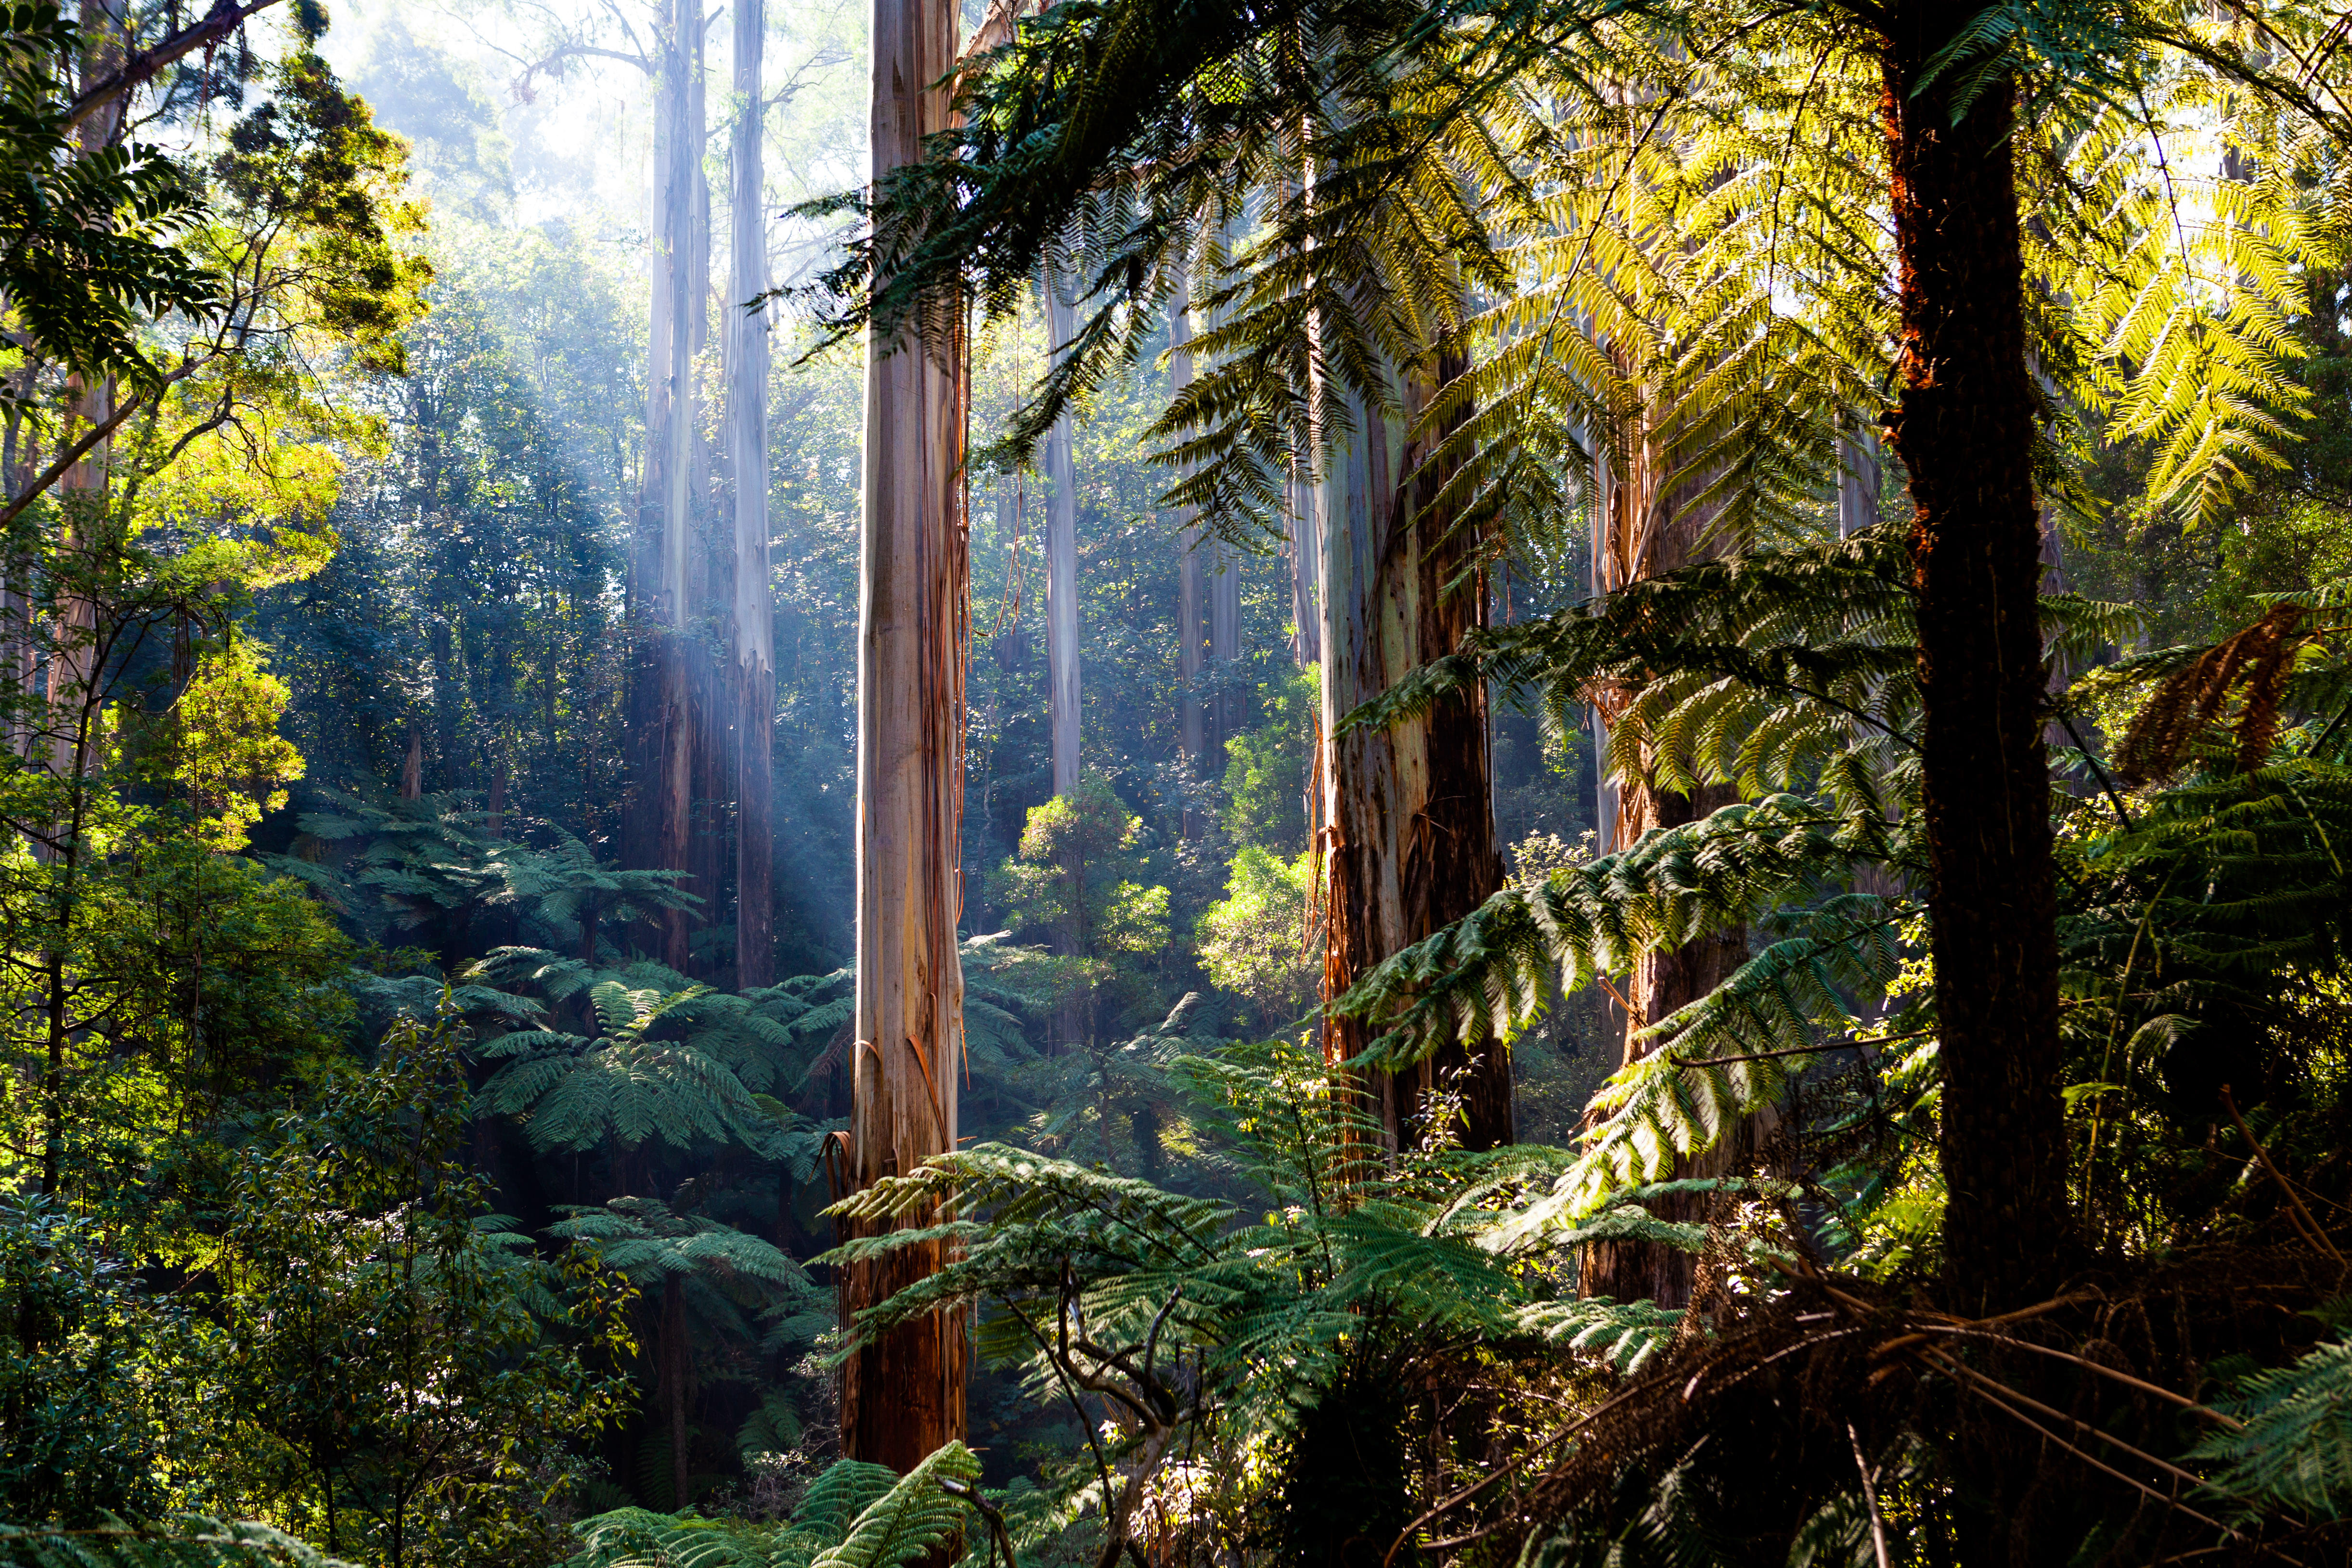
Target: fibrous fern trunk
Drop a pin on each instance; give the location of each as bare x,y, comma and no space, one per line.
1408,822
903,1396
1964,430
674,1367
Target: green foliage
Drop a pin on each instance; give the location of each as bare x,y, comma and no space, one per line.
853,1515
2292,1440
404,1375
1331,1270
1257,942
94,243
188,1541
85,1427
1078,874
1081,883
645,1240
310,161
626,1086
1267,768
394,866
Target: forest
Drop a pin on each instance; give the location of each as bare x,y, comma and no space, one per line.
1204,783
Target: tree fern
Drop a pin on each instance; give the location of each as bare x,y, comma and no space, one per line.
2292,1443
631,1084
853,1515
190,1541
649,1242
1646,223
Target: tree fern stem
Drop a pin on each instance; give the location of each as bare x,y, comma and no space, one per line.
1964,430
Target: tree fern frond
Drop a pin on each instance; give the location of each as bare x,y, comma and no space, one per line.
190,1541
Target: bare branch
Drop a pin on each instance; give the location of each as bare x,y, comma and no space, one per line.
211,28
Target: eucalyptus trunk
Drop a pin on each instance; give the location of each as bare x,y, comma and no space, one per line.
664,718
1861,476
1224,585
83,498
1191,609
1646,526
1061,555
1306,547
754,674
1408,812
903,1396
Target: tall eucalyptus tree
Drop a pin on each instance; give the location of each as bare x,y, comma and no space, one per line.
903,1396
754,675
1062,628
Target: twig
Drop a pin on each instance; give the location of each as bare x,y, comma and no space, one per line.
1801,1050
2123,1377
988,1510
1997,1386
2309,1226
2114,799
1448,1505
1869,1497
1614,995
2097,1463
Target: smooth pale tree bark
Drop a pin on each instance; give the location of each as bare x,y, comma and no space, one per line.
903,1396
1306,568
1861,475
1191,646
1408,812
1061,553
664,718
747,399
82,491
1192,607
1225,586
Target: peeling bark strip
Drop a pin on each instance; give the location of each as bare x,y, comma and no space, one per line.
1411,841
1964,430
904,1397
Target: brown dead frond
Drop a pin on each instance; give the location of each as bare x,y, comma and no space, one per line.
1755,1421
2191,699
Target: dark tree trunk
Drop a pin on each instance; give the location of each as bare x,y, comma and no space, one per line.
674,1354
1964,429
